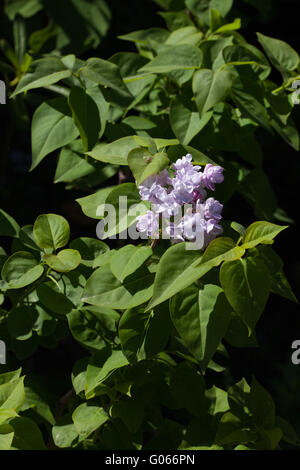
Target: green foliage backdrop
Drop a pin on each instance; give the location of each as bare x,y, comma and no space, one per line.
155,322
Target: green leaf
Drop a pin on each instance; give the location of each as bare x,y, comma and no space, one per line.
201,317
90,204
237,333
8,226
51,231
116,152
173,276
93,327
261,232
89,249
210,88
231,430
27,435
144,335
52,128
104,289
38,38
261,406
20,322
86,116
221,249
215,20
239,228
79,374
64,432
21,269
6,437
44,72
132,331
213,52
246,283
105,73
247,54
257,190
143,37
158,331
248,95
44,323
130,411
64,261
289,433
236,24
217,399
201,9
128,259
281,54
279,282
187,388
176,19
26,8
186,35
36,403
12,394
73,165
185,120
54,299
97,375
5,415
10,376
288,132
19,31
87,418
143,164
181,57
27,239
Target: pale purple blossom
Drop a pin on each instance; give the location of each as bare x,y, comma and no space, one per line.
212,230
213,209
186,189
212,175
149,223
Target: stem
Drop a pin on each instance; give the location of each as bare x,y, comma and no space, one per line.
154,243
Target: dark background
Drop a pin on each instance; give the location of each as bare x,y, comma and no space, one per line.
25,195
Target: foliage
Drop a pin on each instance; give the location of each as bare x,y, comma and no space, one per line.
155,321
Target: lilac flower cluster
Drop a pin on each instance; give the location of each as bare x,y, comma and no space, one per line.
185,191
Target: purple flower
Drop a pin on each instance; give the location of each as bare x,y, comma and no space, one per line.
166,204
183,163
199,195
183,191
200,222
163,178
174,231
213,209
193,226
148,223
212,175
212,230
187,180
